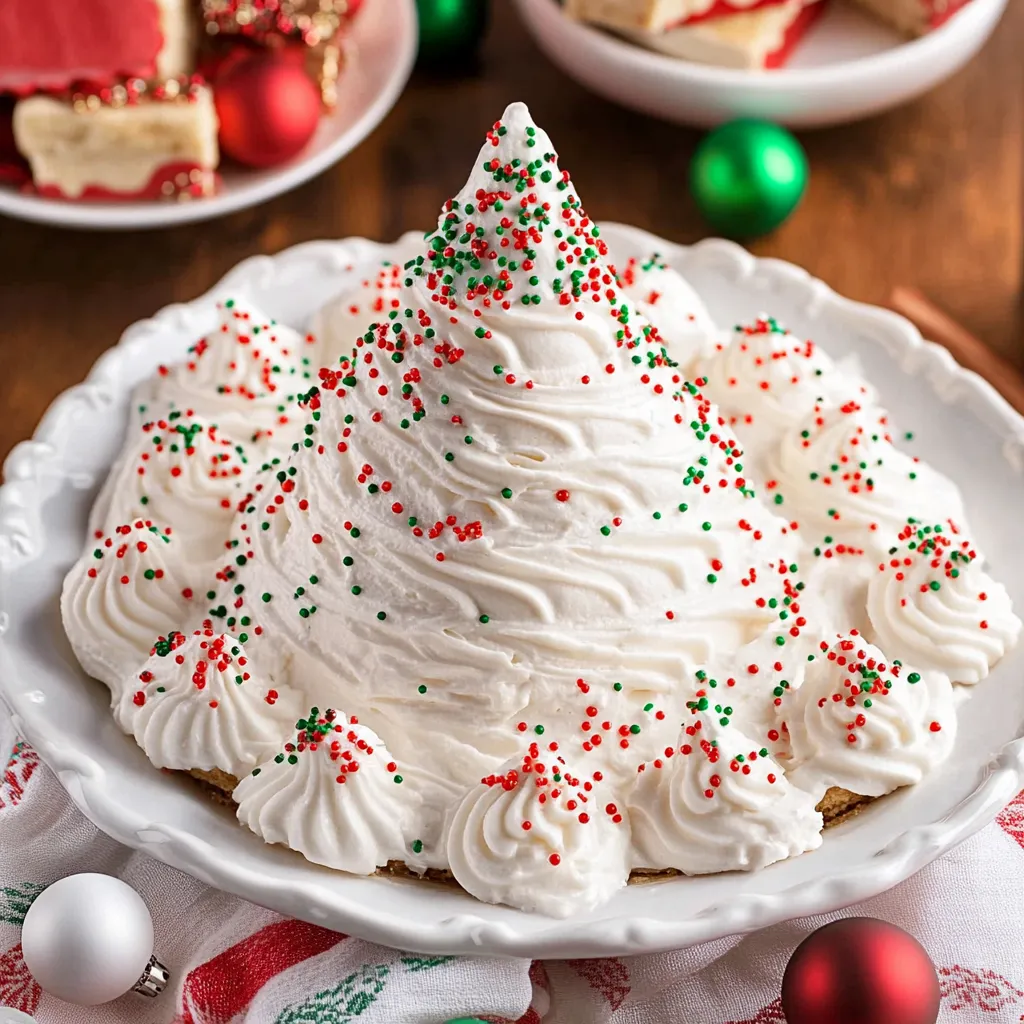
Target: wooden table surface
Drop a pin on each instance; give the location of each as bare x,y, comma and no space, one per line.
930,195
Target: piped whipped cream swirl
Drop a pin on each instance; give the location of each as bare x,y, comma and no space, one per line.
840,474
717,801
127,589
662,297
540,838
344,320
765,379
864,723
334,794
196,704
245,377
178,470
932,603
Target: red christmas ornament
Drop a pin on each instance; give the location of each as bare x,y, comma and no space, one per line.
268,108
860,971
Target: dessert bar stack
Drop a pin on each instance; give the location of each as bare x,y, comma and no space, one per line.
742,34
114,99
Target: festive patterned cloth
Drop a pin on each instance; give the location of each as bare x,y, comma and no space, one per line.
235,963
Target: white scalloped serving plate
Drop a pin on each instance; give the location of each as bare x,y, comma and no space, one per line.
960,423
380,52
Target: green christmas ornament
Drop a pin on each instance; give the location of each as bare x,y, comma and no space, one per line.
748,176
450,29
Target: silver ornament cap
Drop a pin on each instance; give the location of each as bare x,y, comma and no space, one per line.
154,979
88,939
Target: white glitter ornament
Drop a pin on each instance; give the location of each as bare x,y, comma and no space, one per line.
88,939
8,1015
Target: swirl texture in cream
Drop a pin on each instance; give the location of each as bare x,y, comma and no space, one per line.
540,838
717,801
864,723
765,379
342,321
932,603
196,704
245,377
333,794
126,590
662,297
839,472
182,472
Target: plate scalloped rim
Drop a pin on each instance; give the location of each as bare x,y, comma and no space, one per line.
33,465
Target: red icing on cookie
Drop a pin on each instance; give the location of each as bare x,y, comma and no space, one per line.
48,44
722,8
167,181
796,31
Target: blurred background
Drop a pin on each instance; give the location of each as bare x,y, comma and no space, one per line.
928,195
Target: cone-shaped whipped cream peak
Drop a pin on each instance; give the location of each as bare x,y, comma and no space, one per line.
515,255
508,513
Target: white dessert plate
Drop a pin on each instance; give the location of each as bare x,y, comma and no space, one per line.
848,67
382,50
960,422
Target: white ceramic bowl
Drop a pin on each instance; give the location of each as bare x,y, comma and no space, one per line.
382,50
848,67
960,422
